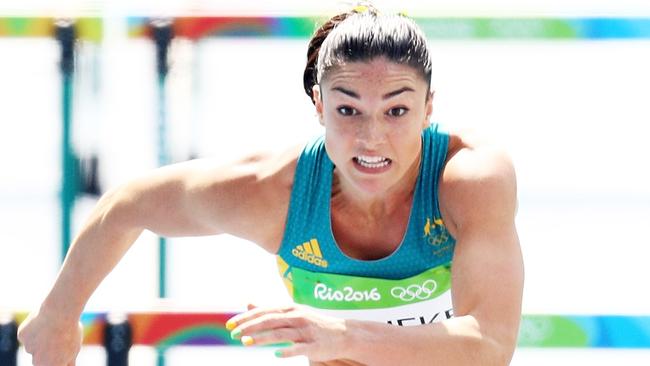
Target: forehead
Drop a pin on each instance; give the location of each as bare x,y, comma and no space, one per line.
377,73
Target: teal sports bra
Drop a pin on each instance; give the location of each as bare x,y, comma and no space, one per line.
411,286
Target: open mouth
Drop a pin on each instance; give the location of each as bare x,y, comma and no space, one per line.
372,162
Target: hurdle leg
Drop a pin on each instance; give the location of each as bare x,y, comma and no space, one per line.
8,342
162,34
66,35
118,339
160,357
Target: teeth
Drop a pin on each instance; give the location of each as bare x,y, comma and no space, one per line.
372,161
379,165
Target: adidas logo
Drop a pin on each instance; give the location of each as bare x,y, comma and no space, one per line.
310,253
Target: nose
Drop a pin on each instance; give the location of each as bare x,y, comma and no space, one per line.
371,133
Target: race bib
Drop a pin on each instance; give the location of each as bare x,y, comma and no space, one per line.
421,299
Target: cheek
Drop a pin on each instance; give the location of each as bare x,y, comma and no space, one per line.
334,145
341,130
406,141
339,142
337,153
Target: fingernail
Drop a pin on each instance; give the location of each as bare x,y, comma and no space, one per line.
235,334
247,340
230,324
278,353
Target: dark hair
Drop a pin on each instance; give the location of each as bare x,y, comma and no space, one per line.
364,34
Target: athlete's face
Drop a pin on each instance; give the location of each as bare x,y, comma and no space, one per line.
373,113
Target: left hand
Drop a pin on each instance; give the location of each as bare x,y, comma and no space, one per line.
320,338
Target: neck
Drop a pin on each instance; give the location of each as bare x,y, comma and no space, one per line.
378,205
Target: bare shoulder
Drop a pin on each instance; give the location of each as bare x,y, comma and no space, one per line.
269,169
247,197
252,195
478,181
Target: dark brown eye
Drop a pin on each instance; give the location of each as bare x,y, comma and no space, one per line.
397,112
347,111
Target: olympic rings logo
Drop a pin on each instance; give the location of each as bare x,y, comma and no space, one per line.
412,292
438,240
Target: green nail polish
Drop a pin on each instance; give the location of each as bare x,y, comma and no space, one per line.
278,353
235,334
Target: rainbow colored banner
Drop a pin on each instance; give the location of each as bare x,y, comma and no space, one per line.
167,329
90,28
434,28
257,27
536,28
164,330
585,331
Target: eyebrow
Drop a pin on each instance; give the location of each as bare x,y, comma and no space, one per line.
353,94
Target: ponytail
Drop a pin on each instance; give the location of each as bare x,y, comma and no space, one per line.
309,77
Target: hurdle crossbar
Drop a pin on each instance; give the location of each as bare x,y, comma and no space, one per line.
589,28
88,28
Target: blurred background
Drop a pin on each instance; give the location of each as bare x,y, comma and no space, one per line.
569,104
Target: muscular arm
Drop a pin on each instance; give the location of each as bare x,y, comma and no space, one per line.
487,277
245,198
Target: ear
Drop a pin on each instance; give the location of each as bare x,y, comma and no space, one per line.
428,110
318,102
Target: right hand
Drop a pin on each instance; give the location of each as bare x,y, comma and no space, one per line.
50,339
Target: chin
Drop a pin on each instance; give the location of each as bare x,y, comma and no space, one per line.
371,187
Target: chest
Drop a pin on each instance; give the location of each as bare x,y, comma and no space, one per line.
365,239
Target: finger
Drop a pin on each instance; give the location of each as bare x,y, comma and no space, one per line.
275,336
22,332
297,349
268,322
233,322
251,313
71,363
